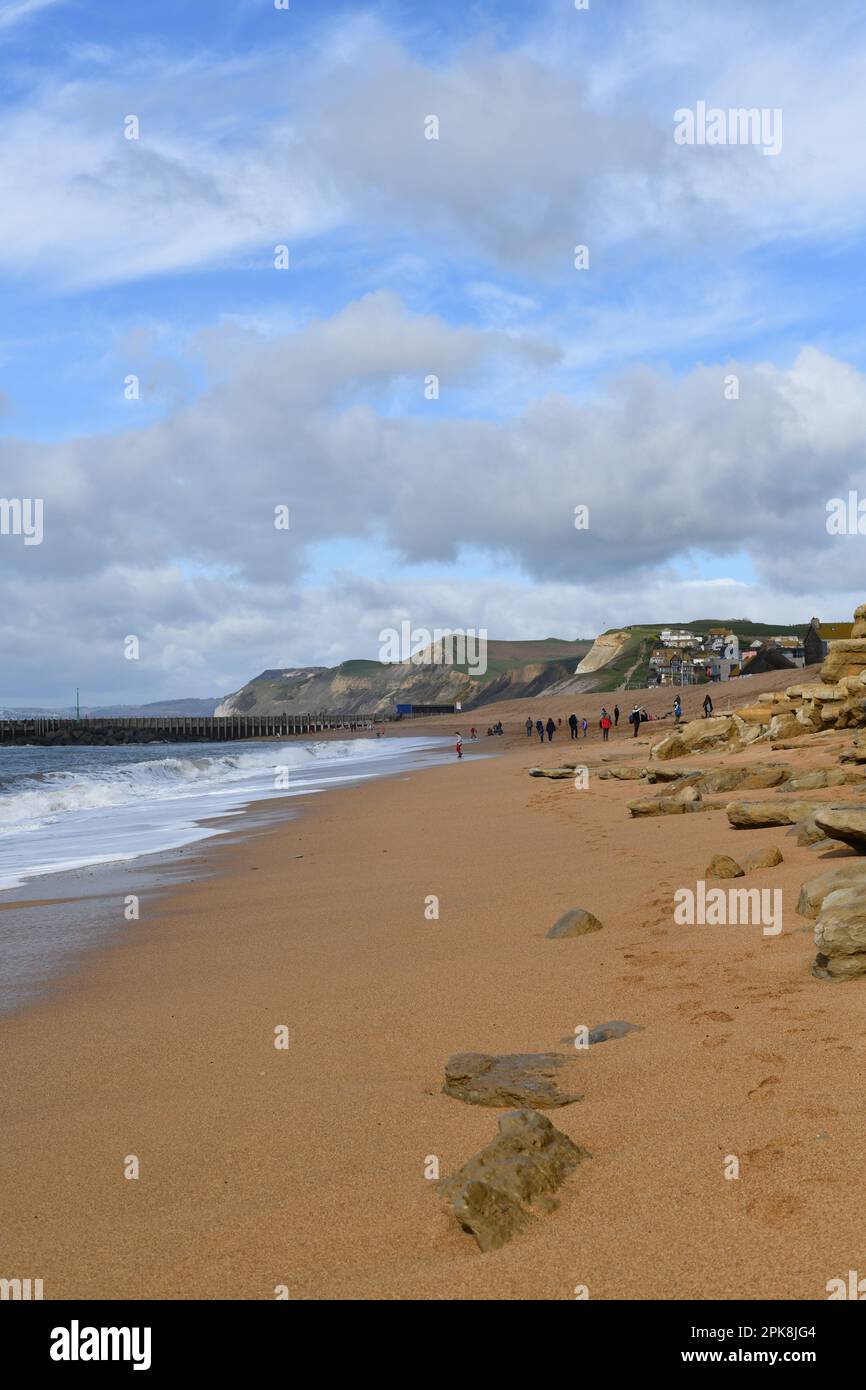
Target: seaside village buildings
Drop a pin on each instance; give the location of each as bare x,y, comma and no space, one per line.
683,657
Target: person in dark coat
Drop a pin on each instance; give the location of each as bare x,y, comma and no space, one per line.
615,715
572,724
551,730
540,729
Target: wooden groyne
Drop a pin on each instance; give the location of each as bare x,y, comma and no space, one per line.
178,728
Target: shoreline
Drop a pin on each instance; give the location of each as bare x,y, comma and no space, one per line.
53,918
305,1167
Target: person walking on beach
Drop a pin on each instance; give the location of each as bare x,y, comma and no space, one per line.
615,715
458,747
634,720
605,727
678,710
584,726
708,706
572,724
540,729
551,730
528,728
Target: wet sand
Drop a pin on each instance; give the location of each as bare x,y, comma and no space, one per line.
305,1167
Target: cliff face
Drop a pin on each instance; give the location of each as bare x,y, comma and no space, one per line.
374,687
605,649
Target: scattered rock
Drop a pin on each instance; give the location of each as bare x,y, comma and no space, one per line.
663,806
763,859
807,831
723,779
522,1079
815,890
697,734
840,936
818,777
622,773
492,1195
845,823
556,774
755,815
671,774
723,866
604,1032
576,922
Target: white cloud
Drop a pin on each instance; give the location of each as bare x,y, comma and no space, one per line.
14,12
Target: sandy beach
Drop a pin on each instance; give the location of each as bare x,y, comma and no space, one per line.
305,1167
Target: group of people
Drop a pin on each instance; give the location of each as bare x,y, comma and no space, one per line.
473,734
579,727
608,721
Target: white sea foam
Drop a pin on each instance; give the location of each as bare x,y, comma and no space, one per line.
108,808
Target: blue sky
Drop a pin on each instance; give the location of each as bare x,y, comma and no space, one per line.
408,256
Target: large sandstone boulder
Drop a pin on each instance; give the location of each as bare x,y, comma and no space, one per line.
851,874
785,726
755,815
521,1079
723,779
576,922
765,775
496,1192
845,823
676,774
697,734
840,935
817,778
846,657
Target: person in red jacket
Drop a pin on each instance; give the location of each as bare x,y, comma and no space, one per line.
605,726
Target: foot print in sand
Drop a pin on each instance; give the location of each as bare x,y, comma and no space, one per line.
774,1211
763,1087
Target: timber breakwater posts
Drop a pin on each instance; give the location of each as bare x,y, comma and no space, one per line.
174,728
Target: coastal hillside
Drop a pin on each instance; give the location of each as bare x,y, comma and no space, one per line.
514,670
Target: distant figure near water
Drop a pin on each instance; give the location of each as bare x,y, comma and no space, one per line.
458,747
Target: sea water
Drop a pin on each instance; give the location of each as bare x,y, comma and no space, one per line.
69,807
74,821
